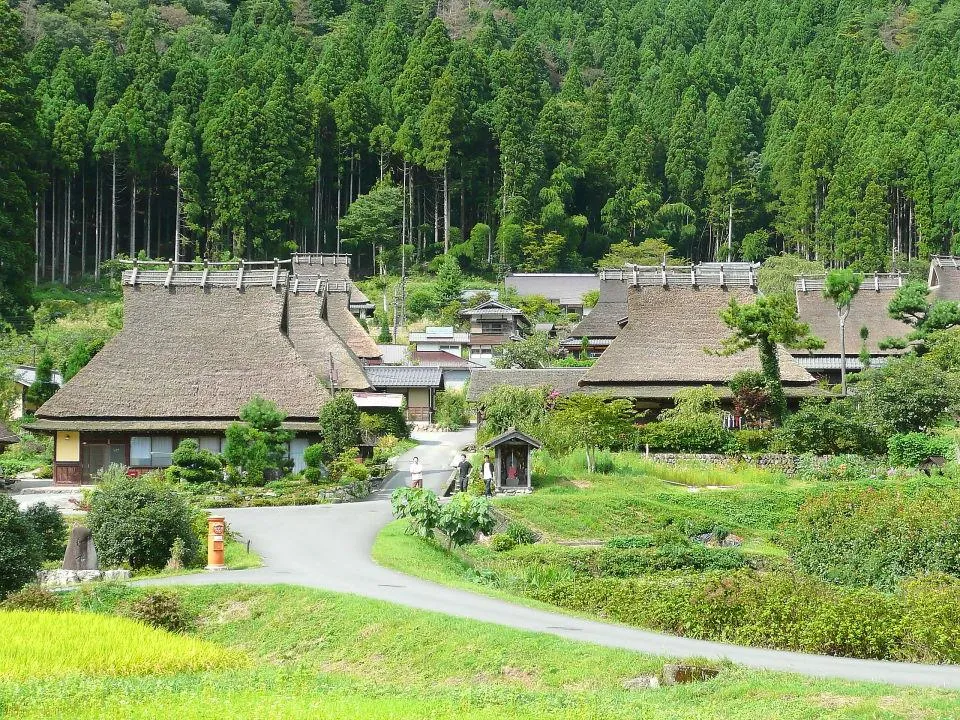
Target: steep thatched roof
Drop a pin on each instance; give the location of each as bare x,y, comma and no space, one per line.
868,309
188,351
319,345
601,323
333,267
6,436
348,328
563,380
944,278
665,340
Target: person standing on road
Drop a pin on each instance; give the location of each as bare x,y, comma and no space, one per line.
416,473
464,467
487,471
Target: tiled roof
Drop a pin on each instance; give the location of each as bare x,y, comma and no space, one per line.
441,358
399,376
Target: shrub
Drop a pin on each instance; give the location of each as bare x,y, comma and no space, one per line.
313,456
340,425
502,542
508,406
835,468
44,472
193,465
50,528
911,449
451,412
21,549
752,441
630,541
135,521
32,597
162,610
463,517
257,446
420,506
521,534
695,434
827,428
877,537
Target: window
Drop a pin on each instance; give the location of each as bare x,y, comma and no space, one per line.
211,444
452,349
151,451
296,448
481,351
493,327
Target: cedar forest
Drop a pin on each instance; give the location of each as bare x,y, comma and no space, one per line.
529,136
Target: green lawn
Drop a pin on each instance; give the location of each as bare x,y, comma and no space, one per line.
315,654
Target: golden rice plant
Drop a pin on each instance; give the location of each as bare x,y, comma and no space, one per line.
48,644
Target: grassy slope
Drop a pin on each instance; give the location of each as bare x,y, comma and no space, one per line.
322,655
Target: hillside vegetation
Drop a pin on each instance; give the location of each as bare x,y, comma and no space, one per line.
532,134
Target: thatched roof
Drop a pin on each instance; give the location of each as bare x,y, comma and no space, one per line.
868,309
348,328
601,323
188,351
175,426
665,340
319,345
944,278
7,437
563,380
333,267
565,289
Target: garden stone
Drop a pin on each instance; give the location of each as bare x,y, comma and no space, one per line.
81,553
674,674
115,575
644,682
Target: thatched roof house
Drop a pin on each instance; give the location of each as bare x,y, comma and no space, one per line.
333,266
601,325
663,346
195,347
868,310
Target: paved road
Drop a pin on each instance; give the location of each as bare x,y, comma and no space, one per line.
328,546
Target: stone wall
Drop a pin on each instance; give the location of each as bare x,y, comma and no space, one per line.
782,462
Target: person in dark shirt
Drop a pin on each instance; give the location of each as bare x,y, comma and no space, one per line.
464,467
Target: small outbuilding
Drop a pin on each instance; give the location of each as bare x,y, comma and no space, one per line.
511,462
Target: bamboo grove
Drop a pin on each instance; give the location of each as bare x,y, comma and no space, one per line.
529,135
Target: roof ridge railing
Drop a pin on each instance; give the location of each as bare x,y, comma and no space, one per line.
318,284
321,258
712,275
946,260
247,273
876,281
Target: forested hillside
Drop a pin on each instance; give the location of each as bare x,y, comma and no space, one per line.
532,135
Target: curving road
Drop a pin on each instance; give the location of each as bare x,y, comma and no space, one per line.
328,547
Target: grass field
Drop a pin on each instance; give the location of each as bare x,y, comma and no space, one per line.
51,644
322,655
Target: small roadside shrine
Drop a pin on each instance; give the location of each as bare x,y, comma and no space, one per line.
511,461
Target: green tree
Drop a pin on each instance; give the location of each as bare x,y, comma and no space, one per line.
374,219
449,285
194,465
43,387
257,446
769,321
21,550
536,350
912,305
840,287
339,425
590,422
17,177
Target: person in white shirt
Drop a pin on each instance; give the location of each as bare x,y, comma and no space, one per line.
487,471
416,473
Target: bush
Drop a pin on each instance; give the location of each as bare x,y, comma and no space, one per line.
502,542
256,448
877,537
463,517
21,549
695,434
135,521
420,506
451,412
163,610
836,468
907,394
50,528
507,406
631,541
521,534
32,597
752,441
911,449
340,425
193,465
827,428
313,456
44,472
